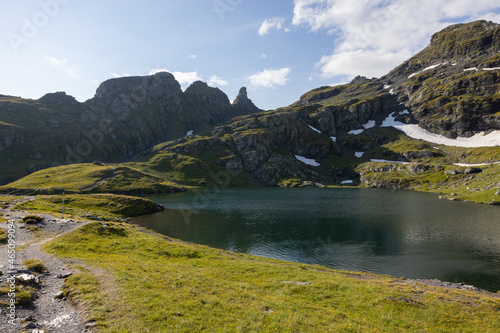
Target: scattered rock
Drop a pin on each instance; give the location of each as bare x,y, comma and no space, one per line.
64,276
90,324
497,193
28,279
268,309
30,326
29,318
59,295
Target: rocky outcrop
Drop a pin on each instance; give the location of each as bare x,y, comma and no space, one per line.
126,116
451,86
263,146
242,105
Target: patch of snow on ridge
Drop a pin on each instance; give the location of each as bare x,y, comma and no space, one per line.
190,133
359,154
369,124
334,139
307,161
474,165
314,129
391,91
356,132
491,69
416,132
345,182
425,69
471,69
386,86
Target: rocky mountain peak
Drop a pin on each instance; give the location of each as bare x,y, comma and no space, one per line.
58,98
243,105
149,89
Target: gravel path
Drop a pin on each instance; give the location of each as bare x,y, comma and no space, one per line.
46,313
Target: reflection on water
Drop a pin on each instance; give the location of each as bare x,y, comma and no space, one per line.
382,231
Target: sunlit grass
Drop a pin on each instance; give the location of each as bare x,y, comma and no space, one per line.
134,281
103,206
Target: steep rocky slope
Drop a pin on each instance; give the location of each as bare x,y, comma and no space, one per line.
452,87
126,116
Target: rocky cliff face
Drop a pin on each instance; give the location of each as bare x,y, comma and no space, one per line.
244,105
125,117
264,146
451,87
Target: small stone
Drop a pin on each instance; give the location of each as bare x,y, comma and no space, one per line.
59,295
30,326
89,324
498,193
29,318
64,276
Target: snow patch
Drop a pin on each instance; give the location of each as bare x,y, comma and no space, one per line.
345,182
425,69
356,132
475,165
359,154
334,139
405,112
416,132
391,91
189,133
386,161
369,124
314,129
386,87
491,69
471,69
307,161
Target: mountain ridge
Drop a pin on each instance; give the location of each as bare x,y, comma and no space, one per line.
125,117
331,136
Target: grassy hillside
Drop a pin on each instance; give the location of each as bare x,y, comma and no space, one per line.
133,280
101,206
92,178
204,161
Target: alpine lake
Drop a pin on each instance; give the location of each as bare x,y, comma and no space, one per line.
399,233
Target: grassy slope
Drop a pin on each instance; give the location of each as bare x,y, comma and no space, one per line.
480,187
103,206
164,171
131,280
92,178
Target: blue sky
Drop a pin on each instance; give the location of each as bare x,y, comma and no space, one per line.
278,49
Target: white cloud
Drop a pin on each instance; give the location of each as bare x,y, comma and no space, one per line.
62,64
270,78
374,36
193,56
217,81
181,77
272,23
56,62
263,56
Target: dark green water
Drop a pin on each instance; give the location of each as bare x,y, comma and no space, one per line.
400,233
